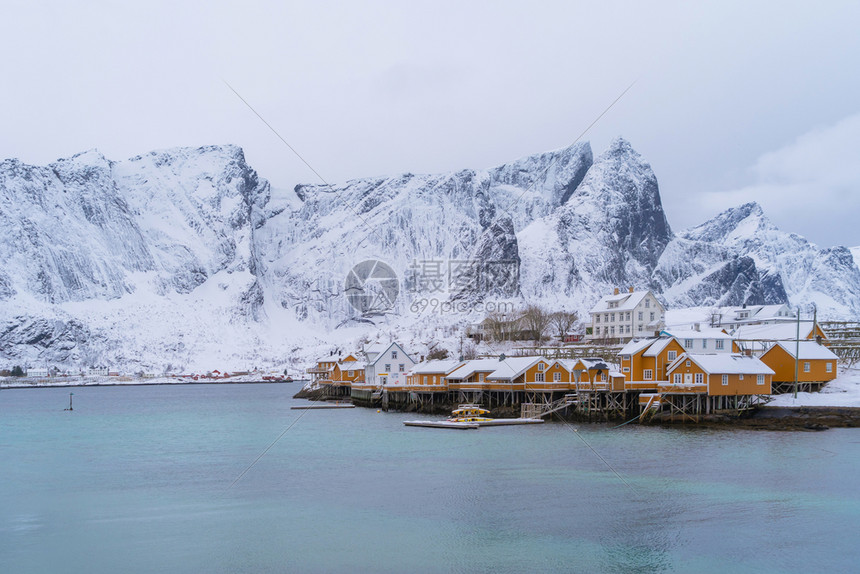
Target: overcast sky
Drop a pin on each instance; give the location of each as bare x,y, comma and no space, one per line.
733,101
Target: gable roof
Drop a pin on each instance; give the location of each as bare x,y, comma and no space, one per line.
513,367
724,364
809,350
474,366
774,332
434,367
633,346
626,302
593,363
658,346
385,350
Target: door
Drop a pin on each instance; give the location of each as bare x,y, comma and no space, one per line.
688,378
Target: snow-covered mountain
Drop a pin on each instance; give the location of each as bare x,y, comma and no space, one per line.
827,277
182,257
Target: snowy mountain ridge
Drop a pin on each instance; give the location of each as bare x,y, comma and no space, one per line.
182,257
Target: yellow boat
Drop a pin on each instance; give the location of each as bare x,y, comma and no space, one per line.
469,414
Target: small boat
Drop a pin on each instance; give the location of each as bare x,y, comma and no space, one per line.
469,417
469,414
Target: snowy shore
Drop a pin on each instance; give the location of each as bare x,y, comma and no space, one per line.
27,383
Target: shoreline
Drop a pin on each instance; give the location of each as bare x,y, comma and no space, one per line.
140,383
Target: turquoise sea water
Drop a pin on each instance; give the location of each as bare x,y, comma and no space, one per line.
138,479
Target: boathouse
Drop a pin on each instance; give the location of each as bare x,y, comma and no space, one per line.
814,365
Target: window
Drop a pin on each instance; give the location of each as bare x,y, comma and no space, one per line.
387,367
540,378
671,355
383,380
741,377
603,377
647,374
652,316
393,354
606,317
760,380
647,303
541,366
725,380
640,326
829,367
350,373
625,357
640,315
628,315
704,343
556,377
480,377
434,379
597,318
612,329
626,369
401,367
597,330
688,344
805,366
688,362
700,378
425,379
677,378
719,344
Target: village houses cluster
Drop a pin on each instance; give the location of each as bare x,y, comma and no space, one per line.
742,355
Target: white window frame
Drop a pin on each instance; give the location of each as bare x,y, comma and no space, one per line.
556,377
387,367
677,378
393,354
704,343
540,378
806,366
719,344
401,367
760,380
688,344
725,380
626,369
671,355
647,374
541,366
700,379
828,367
350,373
480,377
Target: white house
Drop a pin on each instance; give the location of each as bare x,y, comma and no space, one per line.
387,365
702,340
37,372
628,315
751,315
98,371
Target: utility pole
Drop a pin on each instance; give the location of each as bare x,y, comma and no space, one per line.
796,352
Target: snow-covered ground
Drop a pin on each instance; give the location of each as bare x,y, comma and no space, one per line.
24,382
844,391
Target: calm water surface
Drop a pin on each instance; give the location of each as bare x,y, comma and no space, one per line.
138,479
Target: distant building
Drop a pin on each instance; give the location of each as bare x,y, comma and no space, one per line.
100,371
702,340
628,315
751,315
37,372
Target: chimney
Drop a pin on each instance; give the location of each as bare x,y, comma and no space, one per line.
697,327
617,290
422,359
631,289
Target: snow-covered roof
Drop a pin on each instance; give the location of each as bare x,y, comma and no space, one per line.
379,354
757,312
658,346
774,332
626,302
634,346
724,364
702,333
513,367
443,366
475,366
809,350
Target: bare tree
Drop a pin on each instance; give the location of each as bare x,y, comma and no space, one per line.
536,321
563,322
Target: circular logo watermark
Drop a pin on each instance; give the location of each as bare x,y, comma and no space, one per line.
372,287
